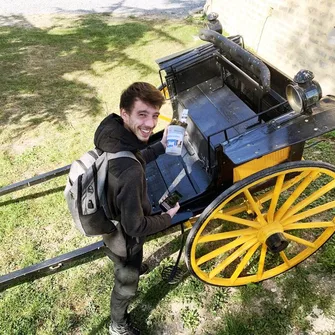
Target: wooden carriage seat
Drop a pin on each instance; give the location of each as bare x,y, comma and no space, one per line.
211,109
184,173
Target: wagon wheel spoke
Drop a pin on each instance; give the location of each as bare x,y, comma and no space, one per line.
226,235
309,213
286,185
260,269
295,195
238,220
244,262
217,252
266,196
299,240
308,225
235,241
304,203
241,250
255,207
285,259
275,197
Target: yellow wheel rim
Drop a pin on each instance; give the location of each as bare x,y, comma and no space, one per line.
227,245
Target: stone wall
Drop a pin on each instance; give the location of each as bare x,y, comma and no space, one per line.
289,34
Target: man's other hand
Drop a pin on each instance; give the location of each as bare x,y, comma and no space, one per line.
164,138
172,211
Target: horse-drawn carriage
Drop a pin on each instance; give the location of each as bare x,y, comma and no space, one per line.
255,206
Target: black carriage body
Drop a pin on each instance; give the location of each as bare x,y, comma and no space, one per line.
239,120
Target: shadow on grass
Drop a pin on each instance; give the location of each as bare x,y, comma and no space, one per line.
152,296
33,196
168,249
90,286
35,63
141,313
282,305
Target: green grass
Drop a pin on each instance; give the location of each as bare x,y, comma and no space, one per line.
58,82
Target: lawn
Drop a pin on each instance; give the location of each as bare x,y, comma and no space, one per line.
59,80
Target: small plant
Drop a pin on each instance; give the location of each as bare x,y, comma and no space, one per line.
190,317
219,298
331,135
193,290
327,256
234,326
197,18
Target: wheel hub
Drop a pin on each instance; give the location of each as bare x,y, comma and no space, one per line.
272,236
276,243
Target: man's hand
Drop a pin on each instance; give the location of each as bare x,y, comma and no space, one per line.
172,211
164,138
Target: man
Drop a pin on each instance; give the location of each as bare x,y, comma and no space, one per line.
139,110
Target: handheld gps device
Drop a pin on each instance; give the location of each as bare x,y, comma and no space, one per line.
170,201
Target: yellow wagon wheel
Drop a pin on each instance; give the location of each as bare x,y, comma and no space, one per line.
264,225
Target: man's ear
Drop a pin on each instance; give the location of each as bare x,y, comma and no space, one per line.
124,115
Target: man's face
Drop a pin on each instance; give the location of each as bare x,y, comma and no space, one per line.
141,120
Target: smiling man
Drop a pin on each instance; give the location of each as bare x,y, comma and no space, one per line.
127,190
142,119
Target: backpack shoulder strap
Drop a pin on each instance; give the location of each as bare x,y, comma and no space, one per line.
121,154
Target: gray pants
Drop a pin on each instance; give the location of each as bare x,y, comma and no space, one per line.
126,277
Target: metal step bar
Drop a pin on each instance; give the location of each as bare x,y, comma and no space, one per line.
53,265
35,180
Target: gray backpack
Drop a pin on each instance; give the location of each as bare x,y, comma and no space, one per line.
85,192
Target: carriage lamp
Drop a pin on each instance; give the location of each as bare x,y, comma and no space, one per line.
214,23
304,93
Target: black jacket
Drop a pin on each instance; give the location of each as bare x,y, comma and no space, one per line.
127,187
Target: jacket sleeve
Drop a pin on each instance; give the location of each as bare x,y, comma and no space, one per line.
130,202
151,152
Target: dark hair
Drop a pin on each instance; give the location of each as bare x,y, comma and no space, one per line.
143,91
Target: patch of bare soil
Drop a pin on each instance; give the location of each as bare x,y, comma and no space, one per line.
321,323
21,145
